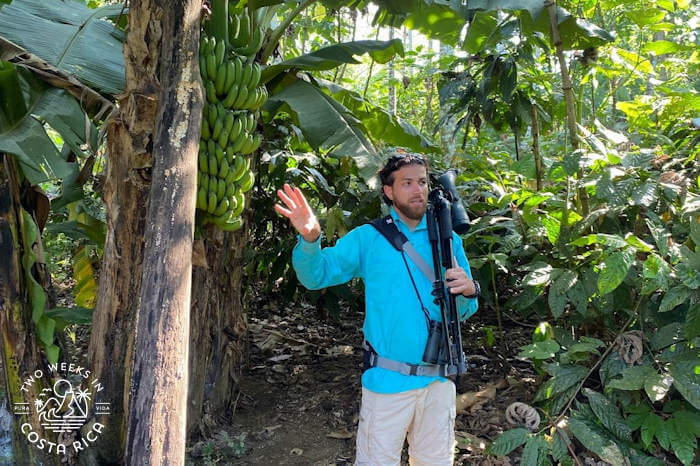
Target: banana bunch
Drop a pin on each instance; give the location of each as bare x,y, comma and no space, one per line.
231,80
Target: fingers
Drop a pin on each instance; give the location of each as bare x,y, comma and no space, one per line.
455,273
286,198
301,198
282,211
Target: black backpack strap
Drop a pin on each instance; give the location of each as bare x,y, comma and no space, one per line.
390,231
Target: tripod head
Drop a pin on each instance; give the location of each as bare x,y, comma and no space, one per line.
445,195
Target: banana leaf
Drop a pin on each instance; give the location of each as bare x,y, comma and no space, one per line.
70,36
381,126
335,55
23,135
327,125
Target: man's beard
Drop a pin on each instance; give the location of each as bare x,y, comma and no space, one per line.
412,211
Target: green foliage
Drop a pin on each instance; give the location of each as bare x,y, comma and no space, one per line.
70,36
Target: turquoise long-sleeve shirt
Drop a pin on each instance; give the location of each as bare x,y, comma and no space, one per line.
394,324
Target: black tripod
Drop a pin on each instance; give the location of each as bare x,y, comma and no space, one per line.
444,338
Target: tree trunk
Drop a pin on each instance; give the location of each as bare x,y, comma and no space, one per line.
158,402
21,356
128,173
536,147
218,323
569,98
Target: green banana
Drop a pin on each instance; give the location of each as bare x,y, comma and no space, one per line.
211,92
211,115
206,133
220,156
203,67
242,95
252,97
230,156
223,138
211,204
218,126
238,69
213,166
243,31
247,144
230,77
255,78
202,199
235,130
203,162
231,224
253,45
240,203
233,25
222,207
239,142
231,96
247,74
211,45
220,78
219,52
230,189
246,181
211,147
228,122
237,170
211,67
220,188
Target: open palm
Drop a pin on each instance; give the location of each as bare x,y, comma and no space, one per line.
298,212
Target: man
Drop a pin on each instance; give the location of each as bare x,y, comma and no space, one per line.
398,305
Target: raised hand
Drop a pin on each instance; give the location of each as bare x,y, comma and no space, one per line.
298,212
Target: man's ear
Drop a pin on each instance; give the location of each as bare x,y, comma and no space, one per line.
388,192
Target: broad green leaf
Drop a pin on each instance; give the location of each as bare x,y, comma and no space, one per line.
615,270
611,366
581,351
551,227
45,328
557,292
652,425
480,29
647,16
692,322
382,127
27,140
683,442
563,377
637,243
608,414
535,451
541,350
560,444
686,379
674,297
70,36
76,314
540,274
328,126
657,271
509,441
586,433
632,378
661,47
666,336
657,386
633,62
335,55
613,241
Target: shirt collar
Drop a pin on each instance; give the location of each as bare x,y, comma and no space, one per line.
422,225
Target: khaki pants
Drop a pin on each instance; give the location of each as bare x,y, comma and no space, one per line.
427,415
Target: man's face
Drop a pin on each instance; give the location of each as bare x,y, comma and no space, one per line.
409,192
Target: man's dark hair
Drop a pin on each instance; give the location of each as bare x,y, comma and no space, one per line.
397,160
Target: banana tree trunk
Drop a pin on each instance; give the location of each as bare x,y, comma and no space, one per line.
156,431
218,328
130,138
21,357
569,99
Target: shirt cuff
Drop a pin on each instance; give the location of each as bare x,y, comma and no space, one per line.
307,246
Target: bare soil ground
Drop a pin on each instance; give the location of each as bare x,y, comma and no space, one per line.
300,392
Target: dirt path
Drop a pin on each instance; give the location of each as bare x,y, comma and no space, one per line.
300,394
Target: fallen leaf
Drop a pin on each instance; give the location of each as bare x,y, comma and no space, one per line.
472,401
467,441
342,434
